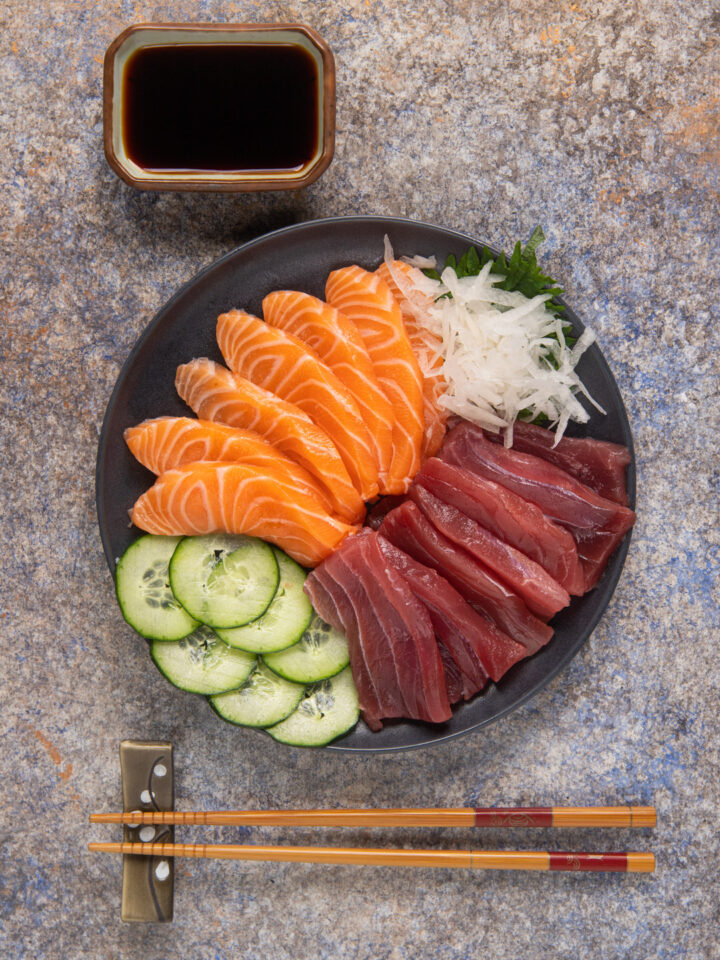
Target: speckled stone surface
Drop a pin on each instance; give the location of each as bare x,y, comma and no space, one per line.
602,122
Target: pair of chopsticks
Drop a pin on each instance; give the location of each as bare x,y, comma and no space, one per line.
625,816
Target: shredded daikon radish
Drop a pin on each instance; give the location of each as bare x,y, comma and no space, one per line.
504,355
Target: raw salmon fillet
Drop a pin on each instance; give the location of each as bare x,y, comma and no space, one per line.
366,300
426,347
281,363
215,393
337,342
205,498
167,443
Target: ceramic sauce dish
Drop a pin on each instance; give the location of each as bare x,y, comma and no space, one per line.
219,107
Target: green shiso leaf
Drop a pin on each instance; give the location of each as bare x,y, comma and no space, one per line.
521,272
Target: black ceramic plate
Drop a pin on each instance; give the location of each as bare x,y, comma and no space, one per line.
300,257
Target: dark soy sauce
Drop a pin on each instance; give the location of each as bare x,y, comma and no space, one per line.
220,107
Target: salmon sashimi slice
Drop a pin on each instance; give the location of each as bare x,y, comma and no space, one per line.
202,498
426,347
337,342
281,363
167,443
214,393
366,300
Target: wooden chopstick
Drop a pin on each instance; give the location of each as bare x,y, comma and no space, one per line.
625,816
469,859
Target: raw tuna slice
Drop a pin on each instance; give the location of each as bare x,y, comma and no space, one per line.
543,595
598,525
600,465
411,531
333,603
469,637
512,519
395,636
407,627
380,510
455,686
466,669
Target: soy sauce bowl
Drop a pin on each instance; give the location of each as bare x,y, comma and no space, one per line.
219,107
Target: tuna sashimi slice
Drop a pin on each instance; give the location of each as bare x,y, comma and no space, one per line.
366,300
543,595
397,647
426,347
333,603
598,464
214,393
407,628
471,639
279,362
597,525
456,685
167,443
205,498
408,528
337,342
377,513
512,519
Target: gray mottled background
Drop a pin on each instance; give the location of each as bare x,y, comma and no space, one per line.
602,122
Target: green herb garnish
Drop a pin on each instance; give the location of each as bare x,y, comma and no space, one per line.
521,272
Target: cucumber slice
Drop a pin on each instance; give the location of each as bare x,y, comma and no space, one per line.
264,699
143,590
284,621
224,580
329,709
321,652
202,663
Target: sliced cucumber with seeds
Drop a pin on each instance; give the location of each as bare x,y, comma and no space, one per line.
143,590
202,663
284,621
224,580
329,709
264,699
321,652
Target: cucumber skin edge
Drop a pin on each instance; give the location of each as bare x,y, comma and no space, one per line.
185,689
327,676
146,636
248,726
214,626
260,653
